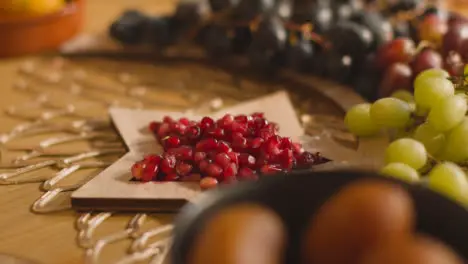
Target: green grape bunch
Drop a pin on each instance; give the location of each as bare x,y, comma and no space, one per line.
433,118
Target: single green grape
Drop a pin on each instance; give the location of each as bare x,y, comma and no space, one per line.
390,113
400,171
447,113
358,121
456,143
450,180
432,140
403,95
408,151
462,94
429,90
438,73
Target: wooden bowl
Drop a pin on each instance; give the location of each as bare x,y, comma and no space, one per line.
23,34
297,196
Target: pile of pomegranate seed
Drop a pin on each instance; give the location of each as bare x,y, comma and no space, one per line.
233,148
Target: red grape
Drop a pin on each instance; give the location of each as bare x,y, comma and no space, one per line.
426,59
456,18
432,28
454,38
453,64
397,77
463,51
397,50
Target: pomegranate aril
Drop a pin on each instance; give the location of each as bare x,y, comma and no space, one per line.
260,123
247,174
238,127
214,170
247,160
230,171
265,133
256,143
286,159
258,115
217,133
182,152
206,145
171,177
234,157
270,169
226,121
150,170
199,156
206,123
222,159
152,159
163,130
271,146
154,126
171,142
185,121
168,119
178,128
272,126
203,166
286,143
208,183
137,169
224,147
183,169
242,118
212,154
168,164
193,132
239,142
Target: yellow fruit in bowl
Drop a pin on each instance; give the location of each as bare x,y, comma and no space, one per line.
32,7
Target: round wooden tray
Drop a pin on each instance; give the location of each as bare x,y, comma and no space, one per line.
30,34
82,88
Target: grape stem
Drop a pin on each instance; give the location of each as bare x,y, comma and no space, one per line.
221,18
431,163
423,44
418,120
459,82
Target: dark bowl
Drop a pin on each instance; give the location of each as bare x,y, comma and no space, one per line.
297,196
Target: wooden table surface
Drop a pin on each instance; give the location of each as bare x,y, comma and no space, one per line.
51,238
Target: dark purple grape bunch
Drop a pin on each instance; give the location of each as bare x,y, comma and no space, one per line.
270,33
335,39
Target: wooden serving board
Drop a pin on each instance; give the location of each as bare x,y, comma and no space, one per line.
112,189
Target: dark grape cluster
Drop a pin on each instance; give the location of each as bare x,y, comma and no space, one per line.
373,46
